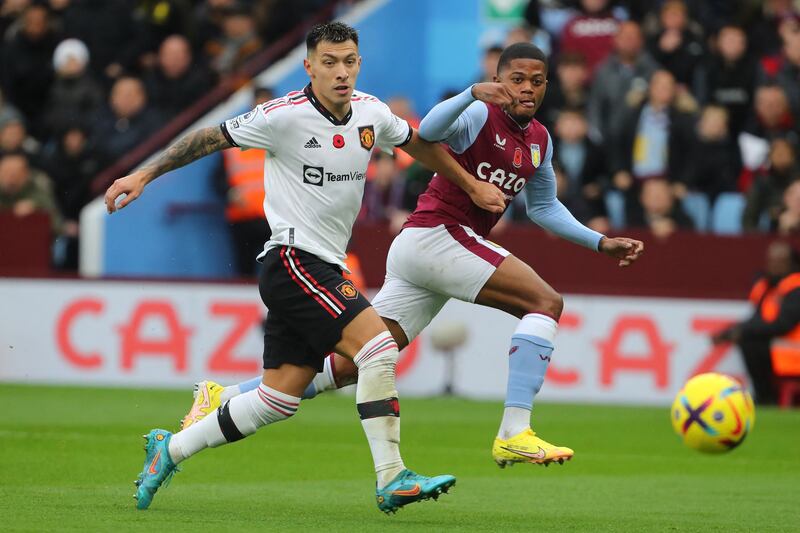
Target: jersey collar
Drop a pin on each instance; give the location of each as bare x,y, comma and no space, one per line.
324,111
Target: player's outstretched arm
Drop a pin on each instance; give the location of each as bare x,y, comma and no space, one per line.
188,148
432,155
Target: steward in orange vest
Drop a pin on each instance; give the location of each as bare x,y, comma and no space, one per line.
770,338
242,183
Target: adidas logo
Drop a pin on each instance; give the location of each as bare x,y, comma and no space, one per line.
312,143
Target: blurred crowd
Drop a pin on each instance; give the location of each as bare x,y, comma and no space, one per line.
665,114
83,82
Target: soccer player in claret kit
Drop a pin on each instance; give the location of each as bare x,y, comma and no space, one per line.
491,131
319,140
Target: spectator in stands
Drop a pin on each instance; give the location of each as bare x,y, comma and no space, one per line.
530,34
714,162
127,123
654,138
628,67
568,89
7,111
591,33
789,219
582,164
27,64
24,191
384,190
71,166
569,193
491,56
675,46
262,95
784,70
772,330
161,19
176,81
765,31
14,138
74,94
240,180
207,20
765,198
238,43
771,119
728,76
657,210
115,37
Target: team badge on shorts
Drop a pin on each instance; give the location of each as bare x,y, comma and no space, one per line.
366,134
347,290
536,155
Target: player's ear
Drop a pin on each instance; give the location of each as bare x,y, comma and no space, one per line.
307,66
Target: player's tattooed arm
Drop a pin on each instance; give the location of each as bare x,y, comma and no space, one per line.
188,148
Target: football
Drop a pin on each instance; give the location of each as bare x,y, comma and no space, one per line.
713,413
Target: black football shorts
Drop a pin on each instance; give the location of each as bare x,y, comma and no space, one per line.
309,304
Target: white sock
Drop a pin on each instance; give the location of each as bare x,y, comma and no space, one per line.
518,419
326,380
515,421
376,398
229,393
239,417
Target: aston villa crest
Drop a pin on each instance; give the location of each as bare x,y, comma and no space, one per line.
536,155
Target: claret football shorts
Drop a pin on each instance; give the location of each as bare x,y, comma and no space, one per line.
428,266
309,304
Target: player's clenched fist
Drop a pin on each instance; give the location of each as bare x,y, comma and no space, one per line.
493,93
131,186
487,197
622,248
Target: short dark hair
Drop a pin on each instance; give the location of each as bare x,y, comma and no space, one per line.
521,51
333,32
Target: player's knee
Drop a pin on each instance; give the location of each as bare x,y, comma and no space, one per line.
550,303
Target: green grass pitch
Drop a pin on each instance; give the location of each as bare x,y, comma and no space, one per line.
69,457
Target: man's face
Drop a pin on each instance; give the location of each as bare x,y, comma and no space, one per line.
128,98
174,57
526,80
779,259
662,89
732,43
13,174
628,41
333,69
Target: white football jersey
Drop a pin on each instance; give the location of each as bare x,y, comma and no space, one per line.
316,166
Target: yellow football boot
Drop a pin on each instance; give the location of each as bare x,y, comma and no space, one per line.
526,447
206,399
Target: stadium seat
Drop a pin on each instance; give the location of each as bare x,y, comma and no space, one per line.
726,217
615,205
698,208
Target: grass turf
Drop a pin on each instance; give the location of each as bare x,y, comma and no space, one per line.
69,457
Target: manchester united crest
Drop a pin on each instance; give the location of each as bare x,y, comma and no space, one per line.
536,155
366,134
347,290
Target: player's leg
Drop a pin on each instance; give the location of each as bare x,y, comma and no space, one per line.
276,399
207,395
374,352
517,289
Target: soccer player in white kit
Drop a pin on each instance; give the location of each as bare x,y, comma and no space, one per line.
443,252
319,142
